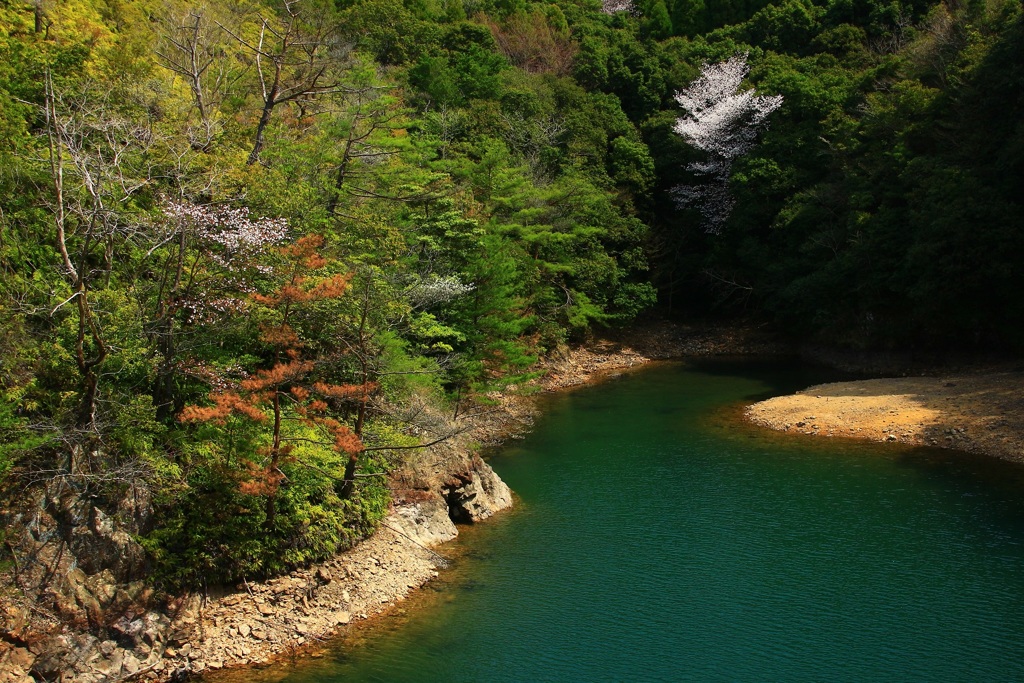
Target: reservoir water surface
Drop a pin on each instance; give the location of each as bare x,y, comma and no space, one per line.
658,538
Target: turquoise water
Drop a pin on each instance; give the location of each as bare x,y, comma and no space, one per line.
657,538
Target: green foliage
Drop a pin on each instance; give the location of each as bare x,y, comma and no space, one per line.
516,190
214,533
496,178
631,166
872,213
657,22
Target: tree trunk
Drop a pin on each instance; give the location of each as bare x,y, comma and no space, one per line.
339,180
268,108
275,461
163,386
87,366
257,146
348,486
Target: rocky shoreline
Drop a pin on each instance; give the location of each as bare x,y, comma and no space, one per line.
103,628
67,617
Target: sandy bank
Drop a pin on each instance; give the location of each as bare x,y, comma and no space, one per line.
981,413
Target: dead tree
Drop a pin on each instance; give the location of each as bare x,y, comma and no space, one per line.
191,53
292,62
93,154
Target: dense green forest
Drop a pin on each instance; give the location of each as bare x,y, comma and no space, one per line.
252,251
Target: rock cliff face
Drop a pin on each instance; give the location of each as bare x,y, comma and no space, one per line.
476,493
78,610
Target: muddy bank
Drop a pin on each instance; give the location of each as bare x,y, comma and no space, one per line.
977,412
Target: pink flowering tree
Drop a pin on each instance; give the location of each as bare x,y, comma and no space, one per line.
722,121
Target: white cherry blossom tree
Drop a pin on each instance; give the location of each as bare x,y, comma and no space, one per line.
724,122
613,6
437,289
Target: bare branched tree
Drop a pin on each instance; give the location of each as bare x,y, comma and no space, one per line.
532,137
191,52
97,159
293,61
532,44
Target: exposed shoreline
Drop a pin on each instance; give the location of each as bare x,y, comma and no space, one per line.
980,413
62,623
257,623
103,630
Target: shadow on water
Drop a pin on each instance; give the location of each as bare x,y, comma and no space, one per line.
971,477
960,476
780,375
659,536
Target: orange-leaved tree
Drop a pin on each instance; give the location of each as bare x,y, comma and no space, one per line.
293,385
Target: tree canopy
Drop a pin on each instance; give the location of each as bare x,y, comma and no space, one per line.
234,235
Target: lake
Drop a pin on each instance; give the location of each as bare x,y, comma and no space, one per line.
659,538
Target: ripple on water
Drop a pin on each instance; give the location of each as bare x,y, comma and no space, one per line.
672,544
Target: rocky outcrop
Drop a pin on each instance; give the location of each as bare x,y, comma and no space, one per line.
427,522
77,610
246,624
477,493
253,623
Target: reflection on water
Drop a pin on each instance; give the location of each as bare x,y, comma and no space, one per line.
659,538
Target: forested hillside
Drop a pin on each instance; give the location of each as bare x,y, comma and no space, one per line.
882,208
255,252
